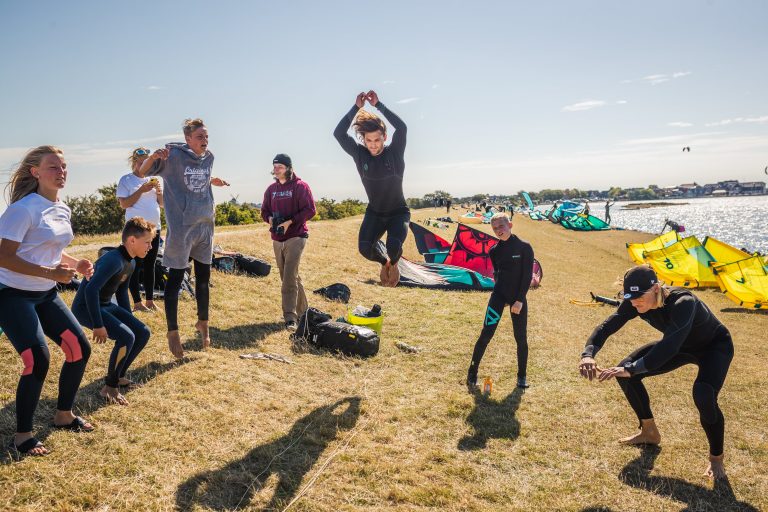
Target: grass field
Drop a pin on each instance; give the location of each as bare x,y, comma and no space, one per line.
399,431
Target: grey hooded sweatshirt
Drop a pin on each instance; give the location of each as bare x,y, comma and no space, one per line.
188,202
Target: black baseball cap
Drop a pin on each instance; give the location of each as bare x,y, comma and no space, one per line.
284,159
638,280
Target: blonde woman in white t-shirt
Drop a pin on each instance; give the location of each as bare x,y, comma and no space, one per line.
142,197
34,231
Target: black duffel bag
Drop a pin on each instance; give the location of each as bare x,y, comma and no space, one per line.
252,266
351,340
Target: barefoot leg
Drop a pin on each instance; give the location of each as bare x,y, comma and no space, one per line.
113,395
174,344
202,328
648,434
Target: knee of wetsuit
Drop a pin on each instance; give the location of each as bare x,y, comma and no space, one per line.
36,361
365,248
706,402
142,335
75,347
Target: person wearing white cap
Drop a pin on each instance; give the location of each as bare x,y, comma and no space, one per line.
691,335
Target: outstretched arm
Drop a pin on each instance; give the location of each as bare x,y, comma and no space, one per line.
160,155
399,137
346,142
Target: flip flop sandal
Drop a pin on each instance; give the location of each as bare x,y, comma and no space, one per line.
24,448
78,425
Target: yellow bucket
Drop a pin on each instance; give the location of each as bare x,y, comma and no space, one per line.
374,322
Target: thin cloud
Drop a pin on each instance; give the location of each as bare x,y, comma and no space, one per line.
435,86
407,100
659,78
154,87
388,82
621,102
680,74
679,124
736,120
583,105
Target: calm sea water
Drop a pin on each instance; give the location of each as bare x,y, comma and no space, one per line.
740,221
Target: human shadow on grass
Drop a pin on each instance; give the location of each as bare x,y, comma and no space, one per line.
492,419
637,473
745,311
289,458
238,337
87,402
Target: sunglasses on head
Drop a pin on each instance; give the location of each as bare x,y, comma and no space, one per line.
141,152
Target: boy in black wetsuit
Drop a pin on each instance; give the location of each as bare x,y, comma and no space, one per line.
381,168
93,306
512,260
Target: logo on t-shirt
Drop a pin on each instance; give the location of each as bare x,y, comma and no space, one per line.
284,194
197,179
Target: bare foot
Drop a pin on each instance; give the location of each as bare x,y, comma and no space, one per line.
716,468
151,306
140,307
113,395
202,328
394,275
384,275
648,434
174,344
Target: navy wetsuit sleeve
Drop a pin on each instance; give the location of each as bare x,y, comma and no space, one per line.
346,142
610,325
680,323
106,267
401,131
527,269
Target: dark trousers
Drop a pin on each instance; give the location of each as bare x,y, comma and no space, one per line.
373,228
27,317
144,273
713,367
173,287
493,313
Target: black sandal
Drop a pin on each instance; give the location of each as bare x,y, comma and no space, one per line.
24,449
78,425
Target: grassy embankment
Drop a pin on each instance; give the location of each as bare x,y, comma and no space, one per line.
218,432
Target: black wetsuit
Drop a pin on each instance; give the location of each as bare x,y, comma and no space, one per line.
145,271
382,177
513,267
93,308
692,335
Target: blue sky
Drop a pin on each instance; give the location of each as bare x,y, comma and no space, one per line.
498,96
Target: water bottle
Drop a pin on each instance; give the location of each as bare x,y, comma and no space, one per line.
487,385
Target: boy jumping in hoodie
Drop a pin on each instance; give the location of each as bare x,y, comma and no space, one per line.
189,212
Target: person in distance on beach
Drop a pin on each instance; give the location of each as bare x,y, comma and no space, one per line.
287,206
34,231
189,212
381,169
93,306
142,197
608,205
512,260
691,335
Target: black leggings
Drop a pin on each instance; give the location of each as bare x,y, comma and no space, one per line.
713,367
27,318
146,267
373,228
496,306
173,287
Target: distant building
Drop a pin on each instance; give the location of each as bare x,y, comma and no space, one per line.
752,188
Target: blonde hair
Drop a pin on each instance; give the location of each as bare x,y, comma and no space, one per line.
22,183
190,125
366,122
501,215
135,158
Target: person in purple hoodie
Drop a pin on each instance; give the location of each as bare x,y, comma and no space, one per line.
287,206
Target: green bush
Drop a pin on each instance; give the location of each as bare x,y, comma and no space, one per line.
96,214
330,209
231,214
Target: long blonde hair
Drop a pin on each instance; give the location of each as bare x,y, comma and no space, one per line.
22,183
135,158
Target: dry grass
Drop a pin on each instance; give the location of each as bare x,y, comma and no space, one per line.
396,431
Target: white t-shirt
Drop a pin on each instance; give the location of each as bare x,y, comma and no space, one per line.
44,230
147,205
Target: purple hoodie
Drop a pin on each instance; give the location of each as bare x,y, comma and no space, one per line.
290,200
